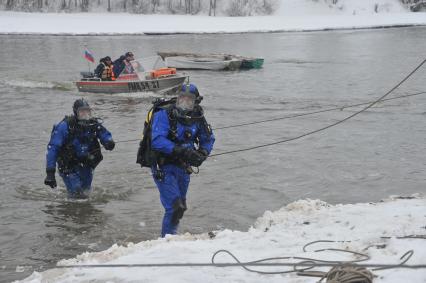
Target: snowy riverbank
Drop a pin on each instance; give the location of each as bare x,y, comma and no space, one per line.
117,24
292,15
364,227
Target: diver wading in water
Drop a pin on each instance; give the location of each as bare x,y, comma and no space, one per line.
176,138
74,147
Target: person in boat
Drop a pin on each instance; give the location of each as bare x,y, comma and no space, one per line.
100,68
74,147
104,70
175,132
123,64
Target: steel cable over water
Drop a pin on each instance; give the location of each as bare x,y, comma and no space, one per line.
298,115
330,125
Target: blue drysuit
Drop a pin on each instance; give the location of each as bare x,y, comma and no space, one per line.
175,183
78,179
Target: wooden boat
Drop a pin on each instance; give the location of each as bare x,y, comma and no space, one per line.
150,74
198,63
182,60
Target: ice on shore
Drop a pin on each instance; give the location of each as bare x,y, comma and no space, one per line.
370,228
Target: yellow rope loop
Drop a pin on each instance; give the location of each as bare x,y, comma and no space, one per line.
348,274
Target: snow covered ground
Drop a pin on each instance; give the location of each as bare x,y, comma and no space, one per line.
363,227
293,15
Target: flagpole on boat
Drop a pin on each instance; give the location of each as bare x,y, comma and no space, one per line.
89,56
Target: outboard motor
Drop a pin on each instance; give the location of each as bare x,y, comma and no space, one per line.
87,75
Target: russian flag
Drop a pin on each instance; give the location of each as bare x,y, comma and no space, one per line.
89,56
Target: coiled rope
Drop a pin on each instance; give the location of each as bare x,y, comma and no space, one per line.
348,274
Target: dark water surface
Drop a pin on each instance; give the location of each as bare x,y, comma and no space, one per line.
374,155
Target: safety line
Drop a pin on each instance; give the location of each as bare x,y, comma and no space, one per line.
297,115
328,126
313,112
301,264
230,264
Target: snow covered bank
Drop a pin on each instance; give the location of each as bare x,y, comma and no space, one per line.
83,24
365,228
293,15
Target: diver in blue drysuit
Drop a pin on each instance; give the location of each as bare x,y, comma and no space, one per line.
175,131
74,146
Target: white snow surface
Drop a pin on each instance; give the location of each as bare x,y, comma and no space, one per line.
275,234
292,15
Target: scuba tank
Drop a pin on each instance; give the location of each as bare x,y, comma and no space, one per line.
147,157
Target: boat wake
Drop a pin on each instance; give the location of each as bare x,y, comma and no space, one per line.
64,86
145,94
136,94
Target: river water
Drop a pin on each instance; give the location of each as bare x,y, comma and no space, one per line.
374,155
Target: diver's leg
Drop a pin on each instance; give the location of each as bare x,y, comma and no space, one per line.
169,193
72,182
86,177
183,181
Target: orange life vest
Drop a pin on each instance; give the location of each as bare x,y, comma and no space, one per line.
108,73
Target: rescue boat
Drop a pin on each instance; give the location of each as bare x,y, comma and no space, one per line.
147,74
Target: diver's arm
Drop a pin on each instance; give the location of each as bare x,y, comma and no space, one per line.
57,139
205,136
105,137
160,132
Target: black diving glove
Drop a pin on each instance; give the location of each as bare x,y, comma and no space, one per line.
193,157
179,151
203,152
50,178
109,145
202,155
